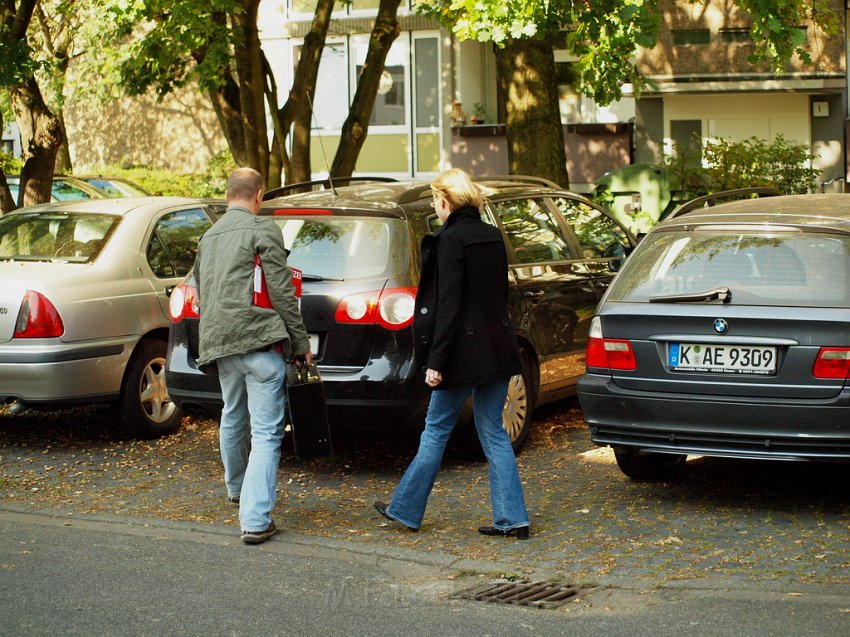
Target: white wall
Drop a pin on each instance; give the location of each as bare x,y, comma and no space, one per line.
739,117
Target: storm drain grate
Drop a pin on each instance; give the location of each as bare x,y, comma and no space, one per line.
523,593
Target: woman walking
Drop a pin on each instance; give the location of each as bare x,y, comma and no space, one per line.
465,342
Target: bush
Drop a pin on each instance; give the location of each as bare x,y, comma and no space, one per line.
9,164
729,165
157,181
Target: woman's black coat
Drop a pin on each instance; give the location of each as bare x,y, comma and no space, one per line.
461,325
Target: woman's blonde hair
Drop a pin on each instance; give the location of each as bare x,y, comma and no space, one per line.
458,189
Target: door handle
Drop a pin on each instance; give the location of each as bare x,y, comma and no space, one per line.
169,290
533,294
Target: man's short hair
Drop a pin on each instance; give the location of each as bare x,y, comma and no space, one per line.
243,184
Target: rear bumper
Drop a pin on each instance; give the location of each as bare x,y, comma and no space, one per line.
705,425
64,373
350,398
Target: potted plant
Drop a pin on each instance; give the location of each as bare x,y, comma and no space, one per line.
479,114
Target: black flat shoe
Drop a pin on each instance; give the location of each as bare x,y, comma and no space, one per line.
519,532
381,507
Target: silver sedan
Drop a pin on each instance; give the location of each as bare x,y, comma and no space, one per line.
84,292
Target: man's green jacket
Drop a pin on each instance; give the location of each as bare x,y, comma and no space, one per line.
224,271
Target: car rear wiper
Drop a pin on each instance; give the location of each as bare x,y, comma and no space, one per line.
318,277
722,294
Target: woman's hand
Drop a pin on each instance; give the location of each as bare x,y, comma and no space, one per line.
433,377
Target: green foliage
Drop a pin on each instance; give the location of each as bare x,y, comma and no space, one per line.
9,164
177,41
211,183
728,165
19,63
776,29
637,222
603,33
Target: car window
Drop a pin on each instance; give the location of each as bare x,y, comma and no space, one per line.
343,247
52,236
172,248
63,191
597,235
106,186
435,224
532,230
777,268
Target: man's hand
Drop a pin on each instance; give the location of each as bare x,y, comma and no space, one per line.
303,359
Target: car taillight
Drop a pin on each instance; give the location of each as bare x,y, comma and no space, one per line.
184,303
391,308
610,353
832,362
38,318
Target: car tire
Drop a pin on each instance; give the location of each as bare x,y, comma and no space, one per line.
519,407
646,465
144,404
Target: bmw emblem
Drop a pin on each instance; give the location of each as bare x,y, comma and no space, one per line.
721,326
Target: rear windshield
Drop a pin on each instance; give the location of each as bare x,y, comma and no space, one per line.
759,268
344,248
54,236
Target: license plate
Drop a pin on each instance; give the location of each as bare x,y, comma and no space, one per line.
314,343
721,359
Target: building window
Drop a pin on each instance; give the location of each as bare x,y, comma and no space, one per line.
304,8
735,36
330,104
569,99
691,36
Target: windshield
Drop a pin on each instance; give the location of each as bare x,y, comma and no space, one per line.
788,268
344,248
54,236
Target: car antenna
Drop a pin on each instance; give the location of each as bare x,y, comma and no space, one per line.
321,145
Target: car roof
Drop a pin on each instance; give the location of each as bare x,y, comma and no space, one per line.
829,210
388,196
117,206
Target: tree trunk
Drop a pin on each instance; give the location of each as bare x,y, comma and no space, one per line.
6,202
278,157
356,125
41,136
225,102
297,112
251,80
63,155
57,38
535,137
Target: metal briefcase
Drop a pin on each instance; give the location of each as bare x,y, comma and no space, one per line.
305,399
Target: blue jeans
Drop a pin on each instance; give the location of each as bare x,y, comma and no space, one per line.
488,400
254,401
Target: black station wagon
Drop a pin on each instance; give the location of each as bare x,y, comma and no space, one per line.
358,249
727,333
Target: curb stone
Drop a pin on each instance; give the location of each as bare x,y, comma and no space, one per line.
399,559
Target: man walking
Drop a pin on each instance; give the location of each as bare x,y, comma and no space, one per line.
248,344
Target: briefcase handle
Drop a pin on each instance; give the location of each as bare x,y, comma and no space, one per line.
299,372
